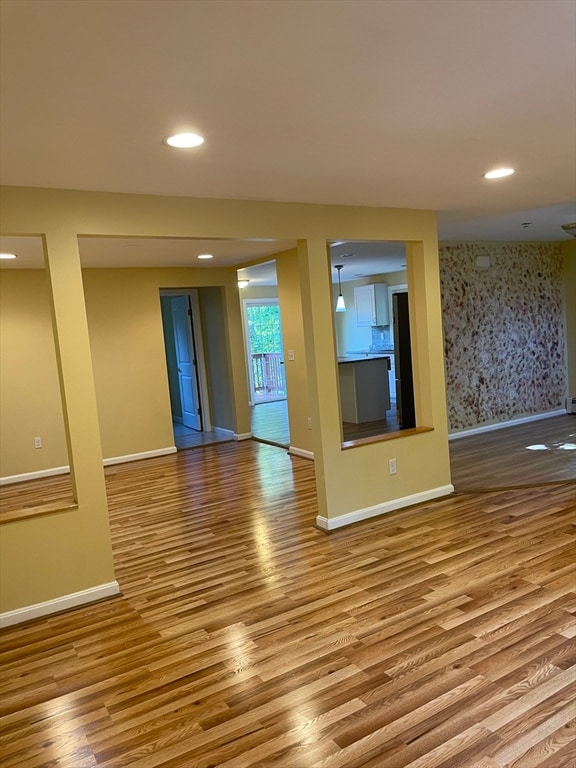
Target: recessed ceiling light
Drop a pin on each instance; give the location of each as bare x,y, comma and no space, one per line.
499,173
205,256
184,140
7,255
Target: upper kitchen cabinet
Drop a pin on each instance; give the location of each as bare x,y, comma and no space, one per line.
371,304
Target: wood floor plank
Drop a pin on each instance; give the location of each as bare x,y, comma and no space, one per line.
440,636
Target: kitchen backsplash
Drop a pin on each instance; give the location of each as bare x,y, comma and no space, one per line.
503,331
381,338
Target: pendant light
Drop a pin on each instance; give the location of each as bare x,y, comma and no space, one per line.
340,305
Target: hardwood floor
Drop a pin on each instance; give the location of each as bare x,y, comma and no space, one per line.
372,428
440,636
185,437
269,423
536,452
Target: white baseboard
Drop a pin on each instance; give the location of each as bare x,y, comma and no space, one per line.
504,424
58,604
34,475
241,436
331,523
139,456
301,452
106,462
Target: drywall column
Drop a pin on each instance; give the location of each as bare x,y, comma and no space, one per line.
56,560
236,358
290,302
316,292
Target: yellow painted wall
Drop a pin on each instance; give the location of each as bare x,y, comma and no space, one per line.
290,301
358,479
30,403
259,292
45,558
347,481
124,323
127,348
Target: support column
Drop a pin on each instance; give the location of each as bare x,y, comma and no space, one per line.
62,559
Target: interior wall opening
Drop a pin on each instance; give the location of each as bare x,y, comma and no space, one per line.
372,333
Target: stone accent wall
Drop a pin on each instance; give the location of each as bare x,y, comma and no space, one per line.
504,336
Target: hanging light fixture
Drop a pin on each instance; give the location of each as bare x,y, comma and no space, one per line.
340,305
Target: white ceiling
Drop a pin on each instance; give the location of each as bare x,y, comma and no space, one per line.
357,102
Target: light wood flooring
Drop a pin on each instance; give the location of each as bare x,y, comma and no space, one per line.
537,452
269,422
440,636
185,437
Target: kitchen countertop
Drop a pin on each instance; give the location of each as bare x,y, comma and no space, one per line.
360,352
361,358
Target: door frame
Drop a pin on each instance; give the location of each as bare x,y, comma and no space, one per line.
197,350
272,300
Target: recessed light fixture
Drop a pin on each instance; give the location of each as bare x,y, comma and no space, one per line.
499,173
7,256
205,256
184,140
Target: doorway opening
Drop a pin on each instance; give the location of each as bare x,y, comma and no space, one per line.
404,383
266,372
185,367
265,352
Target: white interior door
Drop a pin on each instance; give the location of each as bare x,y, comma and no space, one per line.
186,362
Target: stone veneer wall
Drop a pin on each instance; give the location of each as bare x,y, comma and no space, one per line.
504,336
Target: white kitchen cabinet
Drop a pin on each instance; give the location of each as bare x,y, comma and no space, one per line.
371,304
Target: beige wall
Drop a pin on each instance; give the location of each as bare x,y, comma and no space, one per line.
29,390
127,344
290,301
128,358
64,554
348,482
259,292
128,353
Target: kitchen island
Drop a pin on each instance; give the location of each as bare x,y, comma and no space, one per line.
364,389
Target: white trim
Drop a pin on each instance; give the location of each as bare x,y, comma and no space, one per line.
34,475
330,523
58,604
503,424
242,436
223,432
139,456
106,462
300,452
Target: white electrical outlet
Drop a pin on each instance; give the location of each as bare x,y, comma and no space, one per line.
392,466
291,354
37,442
309,423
